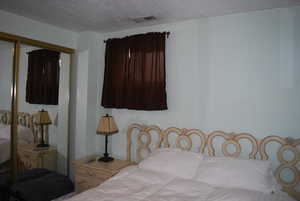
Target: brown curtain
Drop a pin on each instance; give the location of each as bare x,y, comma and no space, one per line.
135,75
43,77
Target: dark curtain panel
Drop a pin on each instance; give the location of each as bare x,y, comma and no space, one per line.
43,77
135,75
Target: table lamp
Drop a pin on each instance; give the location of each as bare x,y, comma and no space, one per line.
107,126
43,119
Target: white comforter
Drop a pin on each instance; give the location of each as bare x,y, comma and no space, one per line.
135,184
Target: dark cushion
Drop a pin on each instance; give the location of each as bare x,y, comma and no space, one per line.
31,174
4,187
4,180
45,188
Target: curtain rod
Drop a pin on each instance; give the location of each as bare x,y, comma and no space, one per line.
166,32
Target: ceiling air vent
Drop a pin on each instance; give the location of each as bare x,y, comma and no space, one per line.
144,19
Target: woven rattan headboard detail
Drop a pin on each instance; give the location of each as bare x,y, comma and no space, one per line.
259,148
143,131
27,120
24,119
4,117
232,138
287,144
184,135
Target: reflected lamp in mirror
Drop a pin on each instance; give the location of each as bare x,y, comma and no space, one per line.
107,126
43,119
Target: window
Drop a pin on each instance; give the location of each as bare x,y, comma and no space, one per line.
43,77
135,75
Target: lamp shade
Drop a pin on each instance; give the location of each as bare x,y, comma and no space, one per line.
107,126
43,118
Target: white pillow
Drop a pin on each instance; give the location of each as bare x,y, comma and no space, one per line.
178,163
237,173
25,135
5,132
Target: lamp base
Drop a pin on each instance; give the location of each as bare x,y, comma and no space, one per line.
42,145
106,158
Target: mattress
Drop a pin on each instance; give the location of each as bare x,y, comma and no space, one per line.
135,184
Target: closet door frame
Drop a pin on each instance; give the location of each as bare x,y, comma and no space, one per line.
18,40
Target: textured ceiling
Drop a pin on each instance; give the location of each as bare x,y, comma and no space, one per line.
111,15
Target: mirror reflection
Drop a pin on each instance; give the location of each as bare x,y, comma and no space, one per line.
43,109
6,72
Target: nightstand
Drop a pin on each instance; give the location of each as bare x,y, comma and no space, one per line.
89,174
29,158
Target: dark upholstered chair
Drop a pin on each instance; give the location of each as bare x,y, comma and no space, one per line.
4,187
40,185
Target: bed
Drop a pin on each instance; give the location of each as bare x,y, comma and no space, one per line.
27,132
156,177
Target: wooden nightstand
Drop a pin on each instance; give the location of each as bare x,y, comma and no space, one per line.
29,158
91,174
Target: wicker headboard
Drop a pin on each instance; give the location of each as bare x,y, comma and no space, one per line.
144,135
24,119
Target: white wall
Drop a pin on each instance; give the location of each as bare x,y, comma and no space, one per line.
21,26
237,73
254,72
87,80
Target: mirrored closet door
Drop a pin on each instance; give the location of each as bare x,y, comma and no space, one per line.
6,81
43,97
34,105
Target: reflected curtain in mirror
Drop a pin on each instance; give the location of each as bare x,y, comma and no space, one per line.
43,77
135,75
